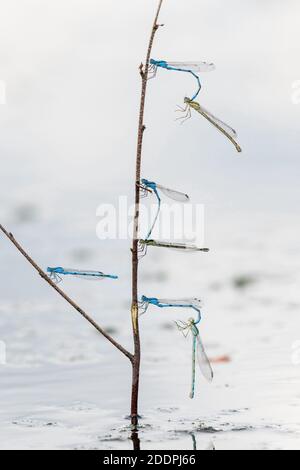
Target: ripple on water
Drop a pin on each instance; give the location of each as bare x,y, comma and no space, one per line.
81,406
222,428
167,409
35,423
111,438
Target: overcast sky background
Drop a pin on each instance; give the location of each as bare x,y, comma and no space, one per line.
73,91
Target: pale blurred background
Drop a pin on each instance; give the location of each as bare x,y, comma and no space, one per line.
67,142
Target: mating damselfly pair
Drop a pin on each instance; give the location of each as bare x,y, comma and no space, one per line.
148,187
189,327
194,68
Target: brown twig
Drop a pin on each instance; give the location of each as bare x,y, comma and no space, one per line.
144,71
64,295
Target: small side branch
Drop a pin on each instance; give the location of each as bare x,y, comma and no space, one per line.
64,295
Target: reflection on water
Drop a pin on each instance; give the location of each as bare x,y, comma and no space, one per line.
136,442
194,441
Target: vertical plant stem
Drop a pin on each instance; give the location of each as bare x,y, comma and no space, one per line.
144,70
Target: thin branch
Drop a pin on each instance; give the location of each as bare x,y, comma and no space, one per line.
63,295
144,72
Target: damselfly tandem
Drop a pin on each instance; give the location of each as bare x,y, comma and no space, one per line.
186,327
56,273
224,128
189,67
157,189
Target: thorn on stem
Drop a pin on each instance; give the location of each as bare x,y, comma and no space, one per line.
142,71
144,128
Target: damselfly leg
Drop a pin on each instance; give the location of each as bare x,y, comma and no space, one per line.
142,249
187,116
144,192
55,278
183,327
152,72
143,307
181,109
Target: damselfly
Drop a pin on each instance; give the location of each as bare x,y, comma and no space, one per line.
197,351
189,67
56,273
156,189
195,304
186,327
226,130
185,247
